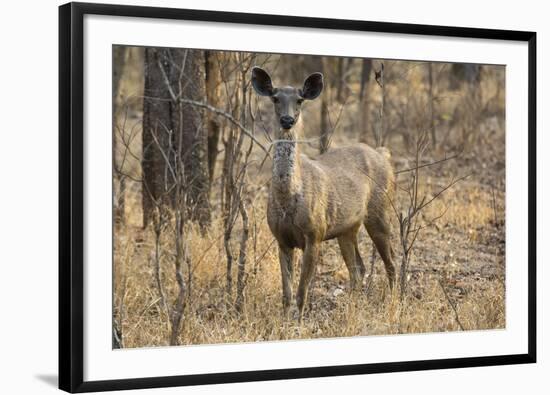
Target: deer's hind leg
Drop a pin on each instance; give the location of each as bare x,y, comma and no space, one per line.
350,253
379,230
359,262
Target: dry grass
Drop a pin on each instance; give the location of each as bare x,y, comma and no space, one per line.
457,264
334,312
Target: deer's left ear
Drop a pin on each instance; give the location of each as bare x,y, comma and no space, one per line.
313,86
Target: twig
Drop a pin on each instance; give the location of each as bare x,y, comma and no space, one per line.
451,303
428,164
450,185
229,117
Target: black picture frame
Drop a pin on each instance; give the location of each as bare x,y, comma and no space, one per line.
71,198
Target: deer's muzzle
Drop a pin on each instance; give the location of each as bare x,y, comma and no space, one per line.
286,121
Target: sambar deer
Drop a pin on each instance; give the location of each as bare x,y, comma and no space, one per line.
313,200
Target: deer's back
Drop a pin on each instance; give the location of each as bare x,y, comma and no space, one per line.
339,189
359,182
357,165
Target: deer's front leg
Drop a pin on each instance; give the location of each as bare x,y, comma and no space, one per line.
309,263
286,260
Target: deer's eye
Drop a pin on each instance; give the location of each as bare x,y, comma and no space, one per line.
300,101
275,99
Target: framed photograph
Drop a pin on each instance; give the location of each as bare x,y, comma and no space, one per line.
251,197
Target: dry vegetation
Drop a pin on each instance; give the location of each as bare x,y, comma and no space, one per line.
456,275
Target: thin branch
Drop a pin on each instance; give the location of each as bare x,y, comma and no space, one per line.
442,190
428,164
452,304
229,117
167,81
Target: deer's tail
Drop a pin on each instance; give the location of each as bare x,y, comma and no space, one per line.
390,175
384,152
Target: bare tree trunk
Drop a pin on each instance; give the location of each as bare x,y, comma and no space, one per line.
340,80
119,56
323,146
364,99
195,137
431,103
463,72
157,109
324,122
169,124
380,133
119,59
213,97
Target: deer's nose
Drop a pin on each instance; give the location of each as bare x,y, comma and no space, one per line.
286,121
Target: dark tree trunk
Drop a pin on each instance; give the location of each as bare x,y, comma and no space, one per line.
213,96
119,56
464,72
340,80
119,59
195,138
364,100
157,109
324,126
175,139
431,103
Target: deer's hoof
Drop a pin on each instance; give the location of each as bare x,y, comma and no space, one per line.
290,313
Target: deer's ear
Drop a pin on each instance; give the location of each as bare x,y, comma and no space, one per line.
313,86
261,81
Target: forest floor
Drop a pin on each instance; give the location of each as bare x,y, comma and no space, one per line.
456,278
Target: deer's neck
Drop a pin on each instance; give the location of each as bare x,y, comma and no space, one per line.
286,176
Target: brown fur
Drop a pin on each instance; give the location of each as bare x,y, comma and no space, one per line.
313,200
